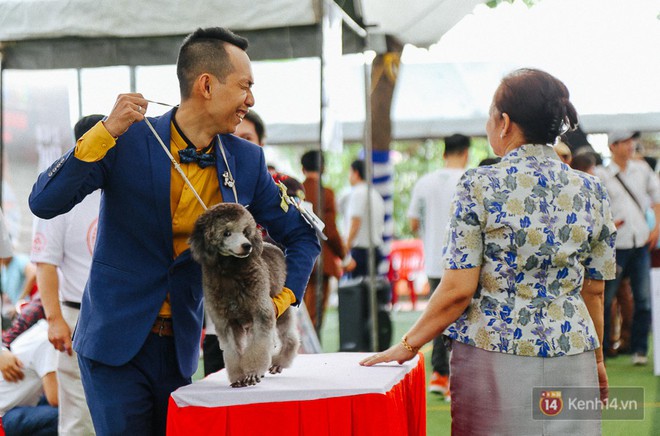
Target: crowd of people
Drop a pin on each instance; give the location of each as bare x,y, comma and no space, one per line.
526,254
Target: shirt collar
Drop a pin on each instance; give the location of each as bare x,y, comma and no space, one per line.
532,150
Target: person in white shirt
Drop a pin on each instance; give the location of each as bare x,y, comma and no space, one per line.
358,209
634,191
429,214
22,408
62,249
6,250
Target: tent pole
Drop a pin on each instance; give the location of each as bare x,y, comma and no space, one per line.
368,161
318,289
79,83
133,79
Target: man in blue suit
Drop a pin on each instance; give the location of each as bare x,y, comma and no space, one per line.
140,321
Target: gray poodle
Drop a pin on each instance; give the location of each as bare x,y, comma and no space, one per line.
240,275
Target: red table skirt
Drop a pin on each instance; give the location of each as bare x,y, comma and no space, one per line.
399,412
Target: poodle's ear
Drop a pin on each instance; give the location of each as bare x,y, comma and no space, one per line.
197,240
257,241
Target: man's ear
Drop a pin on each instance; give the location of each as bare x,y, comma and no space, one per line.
203,85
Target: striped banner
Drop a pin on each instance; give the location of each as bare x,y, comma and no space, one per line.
383,172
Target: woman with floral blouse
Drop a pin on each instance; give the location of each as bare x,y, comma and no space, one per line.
529,246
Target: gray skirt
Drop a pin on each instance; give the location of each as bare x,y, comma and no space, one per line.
491,392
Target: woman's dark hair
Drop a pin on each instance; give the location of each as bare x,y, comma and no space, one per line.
537,102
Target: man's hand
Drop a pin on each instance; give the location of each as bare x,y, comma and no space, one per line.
11,367
59,335
348,263
653,238
128,109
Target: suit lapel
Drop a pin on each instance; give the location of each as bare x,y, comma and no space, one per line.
160,165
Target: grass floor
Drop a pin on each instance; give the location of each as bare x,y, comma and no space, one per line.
620,372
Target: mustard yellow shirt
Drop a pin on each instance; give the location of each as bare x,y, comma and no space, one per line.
184,207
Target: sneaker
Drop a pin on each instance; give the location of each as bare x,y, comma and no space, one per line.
639,359
439,384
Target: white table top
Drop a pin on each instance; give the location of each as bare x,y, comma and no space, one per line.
311,377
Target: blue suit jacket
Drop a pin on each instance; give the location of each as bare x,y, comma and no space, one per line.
134,268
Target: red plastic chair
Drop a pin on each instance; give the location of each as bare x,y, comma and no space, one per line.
406,263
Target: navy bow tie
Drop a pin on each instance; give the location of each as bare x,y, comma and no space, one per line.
202,158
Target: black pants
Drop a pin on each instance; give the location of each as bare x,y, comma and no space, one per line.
361,257
440,356
213,359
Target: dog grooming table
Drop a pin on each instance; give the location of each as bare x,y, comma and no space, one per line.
320,395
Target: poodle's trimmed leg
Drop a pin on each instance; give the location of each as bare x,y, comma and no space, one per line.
290,342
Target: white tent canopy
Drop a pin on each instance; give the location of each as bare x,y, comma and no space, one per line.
45,34
431,100
60,34
42,34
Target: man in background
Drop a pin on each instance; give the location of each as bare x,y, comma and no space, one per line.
359,207
333,249
28,406
65,244
429,214
253,129
634,191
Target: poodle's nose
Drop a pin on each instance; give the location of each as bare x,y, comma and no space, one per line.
247,246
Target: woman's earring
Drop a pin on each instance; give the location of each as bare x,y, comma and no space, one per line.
501,135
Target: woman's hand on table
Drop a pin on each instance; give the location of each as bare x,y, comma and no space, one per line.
397,353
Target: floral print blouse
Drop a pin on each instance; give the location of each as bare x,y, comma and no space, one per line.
538,229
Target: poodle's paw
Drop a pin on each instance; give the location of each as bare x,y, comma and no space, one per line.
248,380
275,369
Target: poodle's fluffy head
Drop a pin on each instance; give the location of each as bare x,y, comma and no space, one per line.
225,230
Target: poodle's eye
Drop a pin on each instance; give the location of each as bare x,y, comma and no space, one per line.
226,234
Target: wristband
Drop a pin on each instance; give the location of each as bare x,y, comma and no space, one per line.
407,346
283,300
